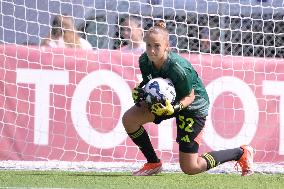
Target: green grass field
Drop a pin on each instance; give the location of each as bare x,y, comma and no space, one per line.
96,180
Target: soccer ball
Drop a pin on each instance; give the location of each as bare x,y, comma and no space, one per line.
158,89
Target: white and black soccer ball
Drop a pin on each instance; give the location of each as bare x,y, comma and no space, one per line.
158,89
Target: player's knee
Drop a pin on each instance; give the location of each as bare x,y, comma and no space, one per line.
190,170
125,119
129,120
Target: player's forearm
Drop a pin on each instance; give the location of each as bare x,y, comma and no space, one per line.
187,100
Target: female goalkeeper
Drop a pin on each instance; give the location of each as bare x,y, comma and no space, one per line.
190,111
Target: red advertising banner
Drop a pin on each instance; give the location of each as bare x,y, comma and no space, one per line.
65,104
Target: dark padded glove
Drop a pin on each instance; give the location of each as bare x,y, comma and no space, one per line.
138,94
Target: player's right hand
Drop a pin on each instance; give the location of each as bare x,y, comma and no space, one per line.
138,94
161,109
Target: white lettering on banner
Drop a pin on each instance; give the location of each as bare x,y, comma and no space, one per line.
277,88
42,80
165,135
79,103
251,109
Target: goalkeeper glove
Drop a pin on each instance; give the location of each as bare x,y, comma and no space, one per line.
168,109
138,94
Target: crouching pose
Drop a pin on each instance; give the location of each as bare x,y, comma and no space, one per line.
190,110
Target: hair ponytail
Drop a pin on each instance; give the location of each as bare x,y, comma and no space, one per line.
159,27
161,24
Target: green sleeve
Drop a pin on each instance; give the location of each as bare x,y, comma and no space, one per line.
143,65
183,79
186,84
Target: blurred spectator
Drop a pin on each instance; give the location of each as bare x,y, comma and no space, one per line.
64,34
132,32
205,45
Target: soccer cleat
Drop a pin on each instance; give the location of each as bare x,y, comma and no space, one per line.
246,160
149,169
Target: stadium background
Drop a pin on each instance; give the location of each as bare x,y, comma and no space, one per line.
245,59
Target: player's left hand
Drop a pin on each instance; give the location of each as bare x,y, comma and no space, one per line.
159,109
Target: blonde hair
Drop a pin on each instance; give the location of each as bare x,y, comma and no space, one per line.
159,27
63,25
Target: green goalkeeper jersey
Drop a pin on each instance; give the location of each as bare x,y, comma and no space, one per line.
184,78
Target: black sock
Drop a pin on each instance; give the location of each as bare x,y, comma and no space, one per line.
142,140
216,158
